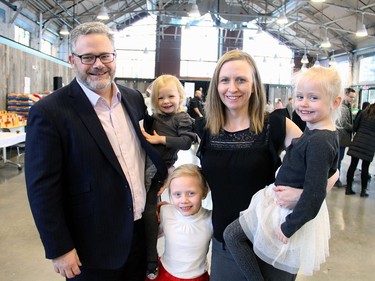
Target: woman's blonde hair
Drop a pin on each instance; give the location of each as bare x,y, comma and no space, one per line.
215,109
327,79
160,82
189,170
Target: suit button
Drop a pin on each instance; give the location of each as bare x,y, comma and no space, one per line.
130,209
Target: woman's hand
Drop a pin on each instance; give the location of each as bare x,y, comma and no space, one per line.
287,197
281,236
332,180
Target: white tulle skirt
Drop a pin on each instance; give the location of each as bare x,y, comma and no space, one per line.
306,249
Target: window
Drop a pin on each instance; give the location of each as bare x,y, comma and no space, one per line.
343,68
46,47
199,49
136,47
366,69
272,59
21,35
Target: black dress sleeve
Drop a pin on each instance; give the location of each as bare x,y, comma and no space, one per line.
277,132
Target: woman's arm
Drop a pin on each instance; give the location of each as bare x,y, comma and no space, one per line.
288,197
292,131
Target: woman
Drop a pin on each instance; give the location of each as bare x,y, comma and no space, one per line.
239,153
362,147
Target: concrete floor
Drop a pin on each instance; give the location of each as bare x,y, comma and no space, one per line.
352,246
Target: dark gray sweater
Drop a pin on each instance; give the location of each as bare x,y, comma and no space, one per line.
308,163
179,132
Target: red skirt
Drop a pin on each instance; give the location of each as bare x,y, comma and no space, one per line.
165,276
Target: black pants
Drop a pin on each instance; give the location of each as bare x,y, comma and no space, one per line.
364,172
133,270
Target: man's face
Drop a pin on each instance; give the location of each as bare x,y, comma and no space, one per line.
350,97
97,76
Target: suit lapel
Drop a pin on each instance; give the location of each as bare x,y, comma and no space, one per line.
87,114
150,150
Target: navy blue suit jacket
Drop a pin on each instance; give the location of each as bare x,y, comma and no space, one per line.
78,193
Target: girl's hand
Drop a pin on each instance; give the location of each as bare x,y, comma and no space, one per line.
281,236
155,138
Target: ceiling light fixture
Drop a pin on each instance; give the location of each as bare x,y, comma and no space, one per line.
318,1
194,11
326,43
317,64
332,61
291,63
282,18
361,31
304,58
64,30
113,29
259,31
103,14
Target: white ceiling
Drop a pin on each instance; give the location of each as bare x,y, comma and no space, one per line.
308,22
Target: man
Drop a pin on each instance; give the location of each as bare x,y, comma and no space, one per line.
196,105
345,128
289,107
84,167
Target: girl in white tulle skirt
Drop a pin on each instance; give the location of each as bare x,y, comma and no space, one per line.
295,240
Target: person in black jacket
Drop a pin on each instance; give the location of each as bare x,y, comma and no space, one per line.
196,109
84,167
362,147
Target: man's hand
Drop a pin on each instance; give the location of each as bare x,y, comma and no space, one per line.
67,265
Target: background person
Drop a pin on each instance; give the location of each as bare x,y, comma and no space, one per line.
84,167
362,147
196,109
269,107
345,126
289,107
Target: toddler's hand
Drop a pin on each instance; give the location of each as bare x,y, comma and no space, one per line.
281,236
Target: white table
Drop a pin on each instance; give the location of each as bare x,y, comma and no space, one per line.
9,139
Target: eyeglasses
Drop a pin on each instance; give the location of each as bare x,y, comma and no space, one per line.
91,59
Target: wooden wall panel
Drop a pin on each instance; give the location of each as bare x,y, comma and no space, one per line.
16,64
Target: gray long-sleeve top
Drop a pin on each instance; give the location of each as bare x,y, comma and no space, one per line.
178,129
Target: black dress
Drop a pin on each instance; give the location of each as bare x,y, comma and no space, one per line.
237,165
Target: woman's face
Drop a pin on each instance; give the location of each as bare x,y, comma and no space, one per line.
235,85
